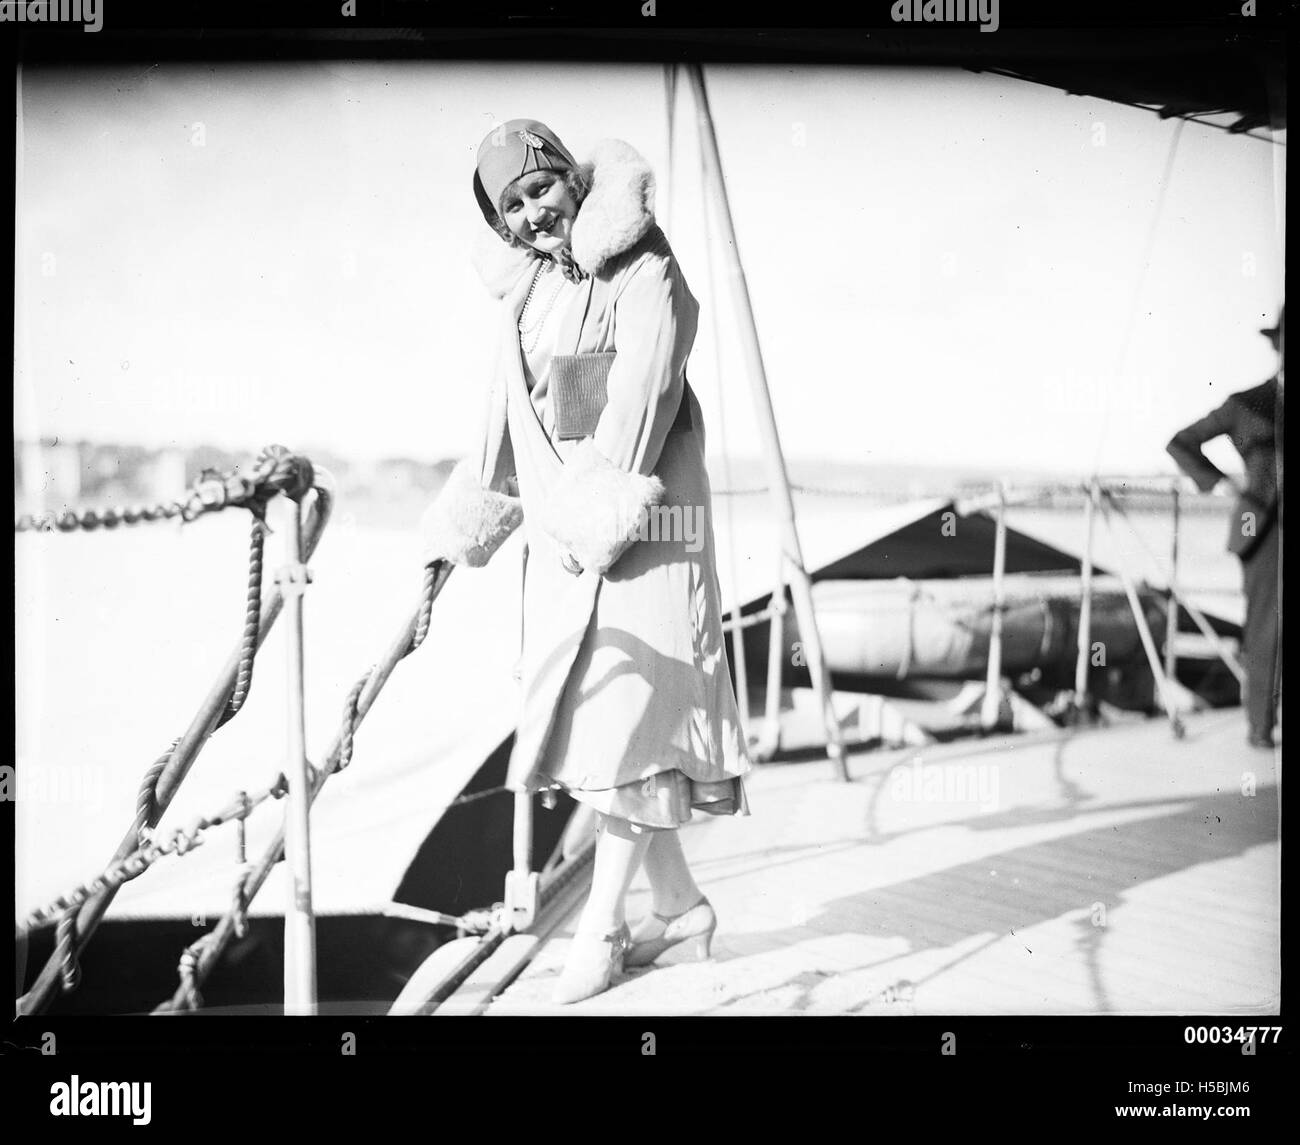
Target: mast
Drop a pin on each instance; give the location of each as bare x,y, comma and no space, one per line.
774,460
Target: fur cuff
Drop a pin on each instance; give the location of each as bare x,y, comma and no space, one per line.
596,510
466,523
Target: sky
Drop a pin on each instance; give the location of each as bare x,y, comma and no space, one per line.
946,268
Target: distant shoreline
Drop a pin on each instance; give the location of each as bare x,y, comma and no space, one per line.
82,474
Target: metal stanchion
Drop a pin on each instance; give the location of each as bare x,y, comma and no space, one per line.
771,741
299,919
991,708
738,657
1163,684
1085,604
522,882
1171,624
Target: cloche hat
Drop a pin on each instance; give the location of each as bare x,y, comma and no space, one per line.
511,150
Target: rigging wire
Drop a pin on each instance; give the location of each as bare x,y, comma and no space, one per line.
737,651
670,90
715,327
1143,266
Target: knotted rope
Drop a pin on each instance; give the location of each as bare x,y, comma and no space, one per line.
276,470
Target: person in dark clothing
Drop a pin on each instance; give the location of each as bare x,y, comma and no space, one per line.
1253,420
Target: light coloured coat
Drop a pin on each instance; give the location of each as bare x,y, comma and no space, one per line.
623,667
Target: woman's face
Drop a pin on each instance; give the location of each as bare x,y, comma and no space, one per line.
539,210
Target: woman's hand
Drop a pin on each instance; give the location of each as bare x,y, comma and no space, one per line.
595,511
467,523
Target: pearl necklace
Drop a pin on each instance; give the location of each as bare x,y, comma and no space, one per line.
534,329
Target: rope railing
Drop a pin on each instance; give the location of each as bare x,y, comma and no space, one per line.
276,471
185,840
795,487
181,841
975,497
478,921
199,958
1156,486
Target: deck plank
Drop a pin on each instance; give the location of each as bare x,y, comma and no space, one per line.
1117,870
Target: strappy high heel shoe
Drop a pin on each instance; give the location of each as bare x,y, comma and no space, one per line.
592,963
656,933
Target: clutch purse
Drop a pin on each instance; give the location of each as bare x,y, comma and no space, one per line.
578,392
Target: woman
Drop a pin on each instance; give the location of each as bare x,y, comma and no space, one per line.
626,698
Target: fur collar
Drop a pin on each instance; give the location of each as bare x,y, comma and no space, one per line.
616,214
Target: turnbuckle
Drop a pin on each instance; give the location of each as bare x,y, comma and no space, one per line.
293,580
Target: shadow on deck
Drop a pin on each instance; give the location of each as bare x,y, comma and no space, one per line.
1114,870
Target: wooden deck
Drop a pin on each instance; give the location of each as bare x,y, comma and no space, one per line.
1117,870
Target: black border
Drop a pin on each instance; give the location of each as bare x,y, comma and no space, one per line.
1005,1067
